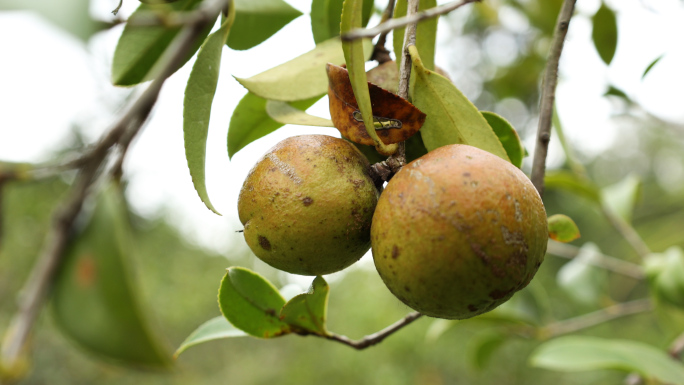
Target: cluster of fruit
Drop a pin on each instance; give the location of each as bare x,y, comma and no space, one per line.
454,234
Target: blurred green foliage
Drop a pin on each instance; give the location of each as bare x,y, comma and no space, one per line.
178,281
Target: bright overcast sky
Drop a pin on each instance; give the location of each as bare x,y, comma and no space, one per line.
49,80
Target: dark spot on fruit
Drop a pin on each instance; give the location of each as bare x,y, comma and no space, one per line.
300,260
407,289
307,201
466,174
472,308
395,252
498,294
264,243
487,260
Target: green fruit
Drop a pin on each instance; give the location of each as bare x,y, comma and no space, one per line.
457,232
307,205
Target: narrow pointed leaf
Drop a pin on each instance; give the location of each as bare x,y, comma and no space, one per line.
140,48
426,33
214,329
301,78
507,136
355,60
562,228
251,303
451,117
283,112
250,121
575,353
605,33
650,66
326,15
308,311
256,21
199,95
94,296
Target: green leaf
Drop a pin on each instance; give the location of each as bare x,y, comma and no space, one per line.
580,279
307,311
483,347
562,228
251,303
507,136
256,21
650,66
666,275
575,353
570,182
214,329
283,112
604,33
356,59
301,78
199,95
621,198
426,33
251,122
94,296
451,117
326,16
140,48
72,16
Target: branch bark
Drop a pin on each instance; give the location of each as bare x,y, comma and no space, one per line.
549,95
375,338
37,286
603,261
406,20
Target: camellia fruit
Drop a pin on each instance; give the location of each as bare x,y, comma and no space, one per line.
307,205
457,232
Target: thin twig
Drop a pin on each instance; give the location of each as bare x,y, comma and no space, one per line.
397,161
38,284
404,21
613,264
548,95
598,317
380,53
375,338
627,231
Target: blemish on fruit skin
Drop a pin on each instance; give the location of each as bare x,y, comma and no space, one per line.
498,294
307,201
264,243
395,252
472,308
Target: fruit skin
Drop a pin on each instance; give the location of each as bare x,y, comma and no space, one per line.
457,232
307,205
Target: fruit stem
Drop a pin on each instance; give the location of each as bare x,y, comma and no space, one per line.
375,338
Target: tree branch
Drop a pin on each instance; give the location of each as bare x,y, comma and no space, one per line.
39,282
375,338
548,95
627,231
603,261
404,21
598,317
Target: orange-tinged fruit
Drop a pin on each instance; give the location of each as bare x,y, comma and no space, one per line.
457,232
307,205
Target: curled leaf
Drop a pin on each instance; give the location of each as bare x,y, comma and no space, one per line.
395,119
